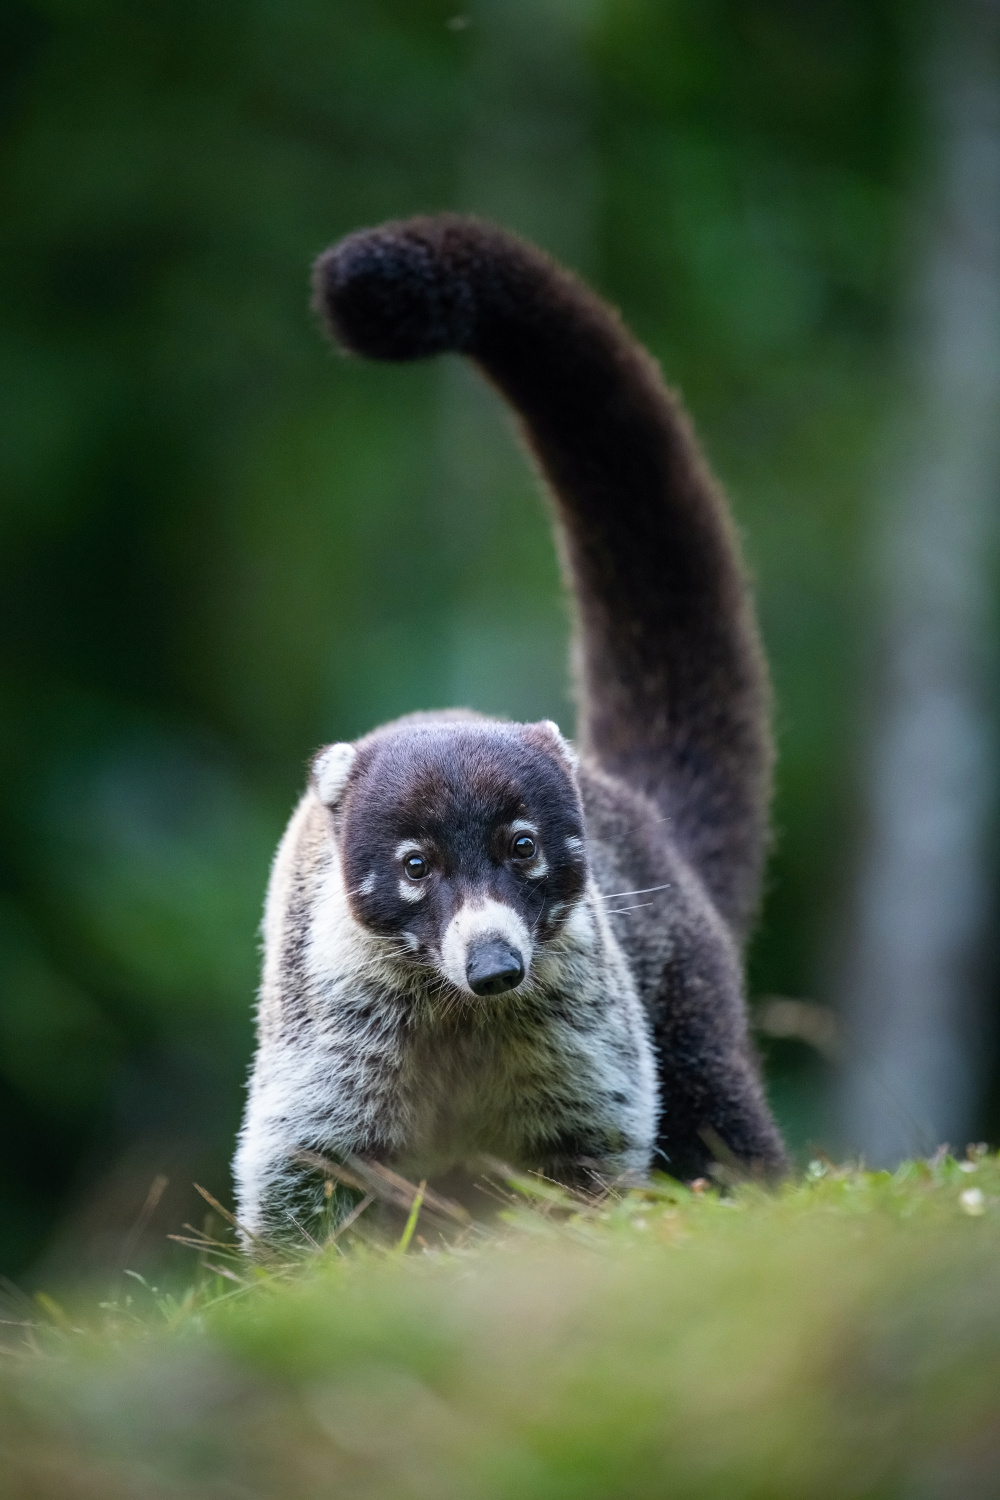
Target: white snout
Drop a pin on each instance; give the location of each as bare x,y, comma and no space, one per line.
473,924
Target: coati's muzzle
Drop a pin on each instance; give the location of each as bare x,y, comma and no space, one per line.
493,967
486,948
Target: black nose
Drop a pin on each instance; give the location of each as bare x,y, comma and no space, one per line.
493,967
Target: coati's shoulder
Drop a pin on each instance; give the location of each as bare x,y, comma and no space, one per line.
660,909
304,856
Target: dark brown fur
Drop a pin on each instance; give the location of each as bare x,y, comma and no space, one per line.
674,701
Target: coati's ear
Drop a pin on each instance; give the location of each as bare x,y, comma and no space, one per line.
330,770
547,734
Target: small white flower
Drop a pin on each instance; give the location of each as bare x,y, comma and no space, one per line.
968,1166
972,1201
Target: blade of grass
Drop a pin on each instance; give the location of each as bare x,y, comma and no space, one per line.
231,1218
411,1223
433,1202
372,1177
157,1188
355,1213
224,1271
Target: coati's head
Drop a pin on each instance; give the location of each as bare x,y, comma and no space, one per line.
462,839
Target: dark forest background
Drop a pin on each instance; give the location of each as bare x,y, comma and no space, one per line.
223,545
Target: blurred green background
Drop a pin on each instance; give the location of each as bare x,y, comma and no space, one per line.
223,545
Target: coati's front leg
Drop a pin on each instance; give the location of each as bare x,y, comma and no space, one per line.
283,1200
587,1167
284,1197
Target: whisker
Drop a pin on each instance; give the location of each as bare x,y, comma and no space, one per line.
537,919
646,890
621,910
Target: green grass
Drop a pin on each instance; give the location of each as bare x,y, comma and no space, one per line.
839,1338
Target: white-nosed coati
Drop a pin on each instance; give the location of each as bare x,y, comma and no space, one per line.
477,944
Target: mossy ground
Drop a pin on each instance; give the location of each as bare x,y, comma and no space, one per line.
838,1338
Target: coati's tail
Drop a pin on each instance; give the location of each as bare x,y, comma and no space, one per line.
673,687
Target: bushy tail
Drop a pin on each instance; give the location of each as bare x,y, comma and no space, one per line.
673,690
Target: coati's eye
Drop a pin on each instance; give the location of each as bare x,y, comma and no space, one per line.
415,866
523,847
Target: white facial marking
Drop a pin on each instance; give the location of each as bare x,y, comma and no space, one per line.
521,825
472,923
330,771
580,926
411,940
573,844
367,885
337,944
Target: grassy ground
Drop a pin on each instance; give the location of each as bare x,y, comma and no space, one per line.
841,1338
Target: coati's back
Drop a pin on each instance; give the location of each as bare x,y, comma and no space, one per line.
465,911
